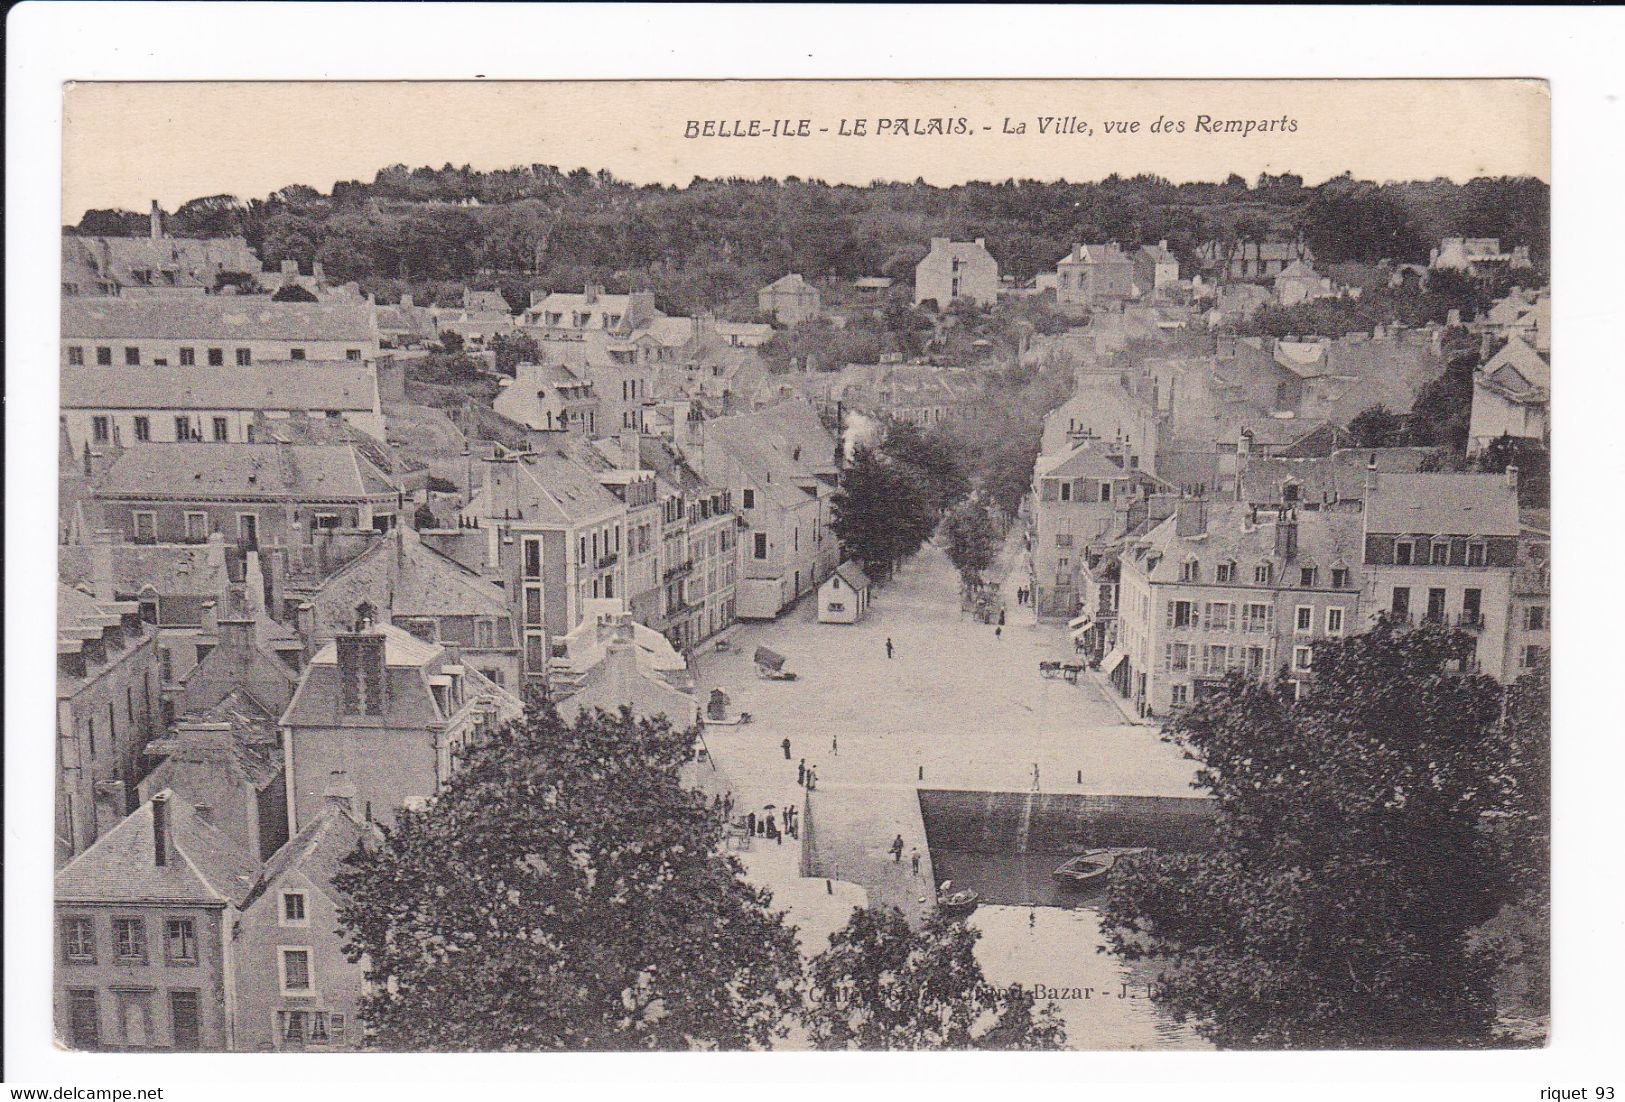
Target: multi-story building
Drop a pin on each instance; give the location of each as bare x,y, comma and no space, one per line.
790,299
1443,548
184,404
955,270
1222,587
387,712
1511,397
418,589
1156,269
252,494
296,990
1084,499
1529,626
155,265
780,463
1480,257
1095,275
144,934
107,709
230,774
1256,260
213,331
553,536
550,401
699,548
1298,283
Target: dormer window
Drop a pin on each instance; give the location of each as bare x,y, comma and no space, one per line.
1263,573
1307,576
1289,492
1066,491
1475,553
1440,553
1404,552
1190,571
1225,573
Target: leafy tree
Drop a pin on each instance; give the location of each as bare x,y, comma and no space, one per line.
113,223
423,518
292,292
1532,461
933,456
1443,410
1355,852
451,341
514,350
884,985
882,512
212,216
973,540
566,890
1375,427
1360,222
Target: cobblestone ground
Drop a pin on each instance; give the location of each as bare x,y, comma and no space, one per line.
957,706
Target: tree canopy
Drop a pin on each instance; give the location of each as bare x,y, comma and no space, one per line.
884,985
566,890
1357,848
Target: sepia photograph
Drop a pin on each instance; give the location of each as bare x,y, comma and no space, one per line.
800,566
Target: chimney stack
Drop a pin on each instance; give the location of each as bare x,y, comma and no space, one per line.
361,672
211,618
1512,477
1190,517
162,842
1371,476
156,220
1286,535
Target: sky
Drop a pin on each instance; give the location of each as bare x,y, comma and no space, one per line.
125,144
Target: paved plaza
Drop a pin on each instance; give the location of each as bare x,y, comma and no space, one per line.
956,707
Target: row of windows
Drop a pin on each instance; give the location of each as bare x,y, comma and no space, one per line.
1439,552
186,427
215,357
1471,605
1226,573
135,1025
1223,616
129,941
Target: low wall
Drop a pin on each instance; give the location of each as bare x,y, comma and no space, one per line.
1020,822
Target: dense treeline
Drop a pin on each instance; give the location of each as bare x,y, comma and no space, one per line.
713,242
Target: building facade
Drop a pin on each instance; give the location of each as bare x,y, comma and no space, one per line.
955,270
213,331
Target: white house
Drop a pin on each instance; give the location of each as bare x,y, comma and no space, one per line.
844,598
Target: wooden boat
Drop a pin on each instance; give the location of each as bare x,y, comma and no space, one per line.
1084,870
958,904
1091,867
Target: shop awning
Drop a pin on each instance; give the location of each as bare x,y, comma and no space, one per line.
1113,660
1081,620
1077,636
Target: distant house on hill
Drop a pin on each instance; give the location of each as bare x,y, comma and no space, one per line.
1257,260
955,270
790,299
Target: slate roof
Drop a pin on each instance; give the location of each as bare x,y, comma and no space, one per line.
172,570
852,574
191,261
782,446
1325,539
1337,477
317,851
216,318
1517,367
1443,503
208,870
261,472
790,284
276,385
549,487
422,581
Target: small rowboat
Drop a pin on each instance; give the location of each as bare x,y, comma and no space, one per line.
1083,870
1090,868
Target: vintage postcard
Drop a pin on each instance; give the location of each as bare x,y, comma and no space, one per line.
803,565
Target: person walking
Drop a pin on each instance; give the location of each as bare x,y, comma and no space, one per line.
888,646
801,773
750,822
897,850
786,745
835,745
914,860
998,632
1001,616
812,778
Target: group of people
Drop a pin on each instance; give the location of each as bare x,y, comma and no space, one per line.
1023,595
806,776
767,826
